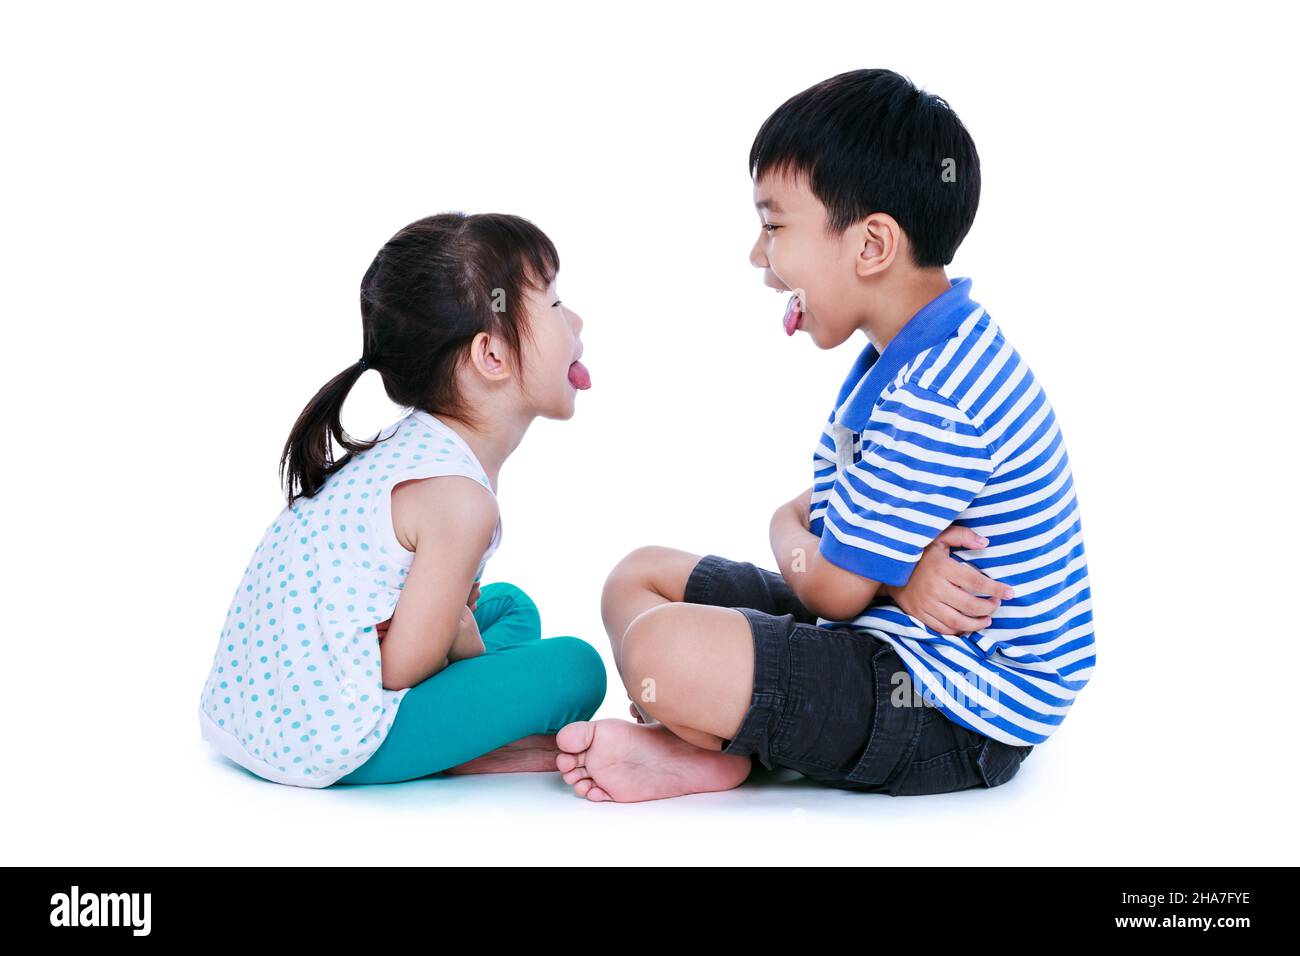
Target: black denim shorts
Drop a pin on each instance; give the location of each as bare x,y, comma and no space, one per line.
825,700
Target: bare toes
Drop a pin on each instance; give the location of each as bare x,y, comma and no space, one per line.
564,762
576,737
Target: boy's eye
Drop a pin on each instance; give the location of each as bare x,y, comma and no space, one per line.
770,227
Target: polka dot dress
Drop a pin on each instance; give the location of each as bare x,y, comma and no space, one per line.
295,693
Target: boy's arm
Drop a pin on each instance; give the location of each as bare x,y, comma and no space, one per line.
943,593
924,462
823,588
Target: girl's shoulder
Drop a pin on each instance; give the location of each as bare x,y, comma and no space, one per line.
455,503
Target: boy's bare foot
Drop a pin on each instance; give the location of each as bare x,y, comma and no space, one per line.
536,752
624,762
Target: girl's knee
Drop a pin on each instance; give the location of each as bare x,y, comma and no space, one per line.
516,599
583,669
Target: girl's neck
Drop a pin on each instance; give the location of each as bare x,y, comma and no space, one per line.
491,443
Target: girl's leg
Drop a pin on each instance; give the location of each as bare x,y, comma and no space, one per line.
506,615
515,689
480,704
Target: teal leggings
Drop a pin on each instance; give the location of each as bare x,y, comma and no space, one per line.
521,684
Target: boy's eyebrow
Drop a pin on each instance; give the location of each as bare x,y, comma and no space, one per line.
770,204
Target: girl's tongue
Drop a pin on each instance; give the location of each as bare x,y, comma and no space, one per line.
793,315
579,377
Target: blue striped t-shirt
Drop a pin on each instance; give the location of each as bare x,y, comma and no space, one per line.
947,426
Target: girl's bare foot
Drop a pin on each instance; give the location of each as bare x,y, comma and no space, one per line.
625,762
536,752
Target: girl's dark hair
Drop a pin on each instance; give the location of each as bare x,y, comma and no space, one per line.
432,287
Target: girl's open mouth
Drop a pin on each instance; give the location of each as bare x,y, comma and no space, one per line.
579,377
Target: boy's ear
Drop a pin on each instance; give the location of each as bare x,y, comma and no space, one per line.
489,357
879,238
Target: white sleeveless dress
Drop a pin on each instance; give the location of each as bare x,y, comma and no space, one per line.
295,693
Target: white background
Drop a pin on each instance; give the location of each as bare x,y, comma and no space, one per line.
192,195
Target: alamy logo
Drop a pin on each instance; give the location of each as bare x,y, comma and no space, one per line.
101,909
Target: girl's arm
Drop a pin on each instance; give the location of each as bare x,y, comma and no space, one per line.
452,519
468,642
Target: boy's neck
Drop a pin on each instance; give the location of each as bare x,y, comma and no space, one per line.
910,293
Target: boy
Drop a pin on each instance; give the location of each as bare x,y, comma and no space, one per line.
875,660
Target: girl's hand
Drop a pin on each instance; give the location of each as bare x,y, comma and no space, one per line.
468,642
472,603
941,591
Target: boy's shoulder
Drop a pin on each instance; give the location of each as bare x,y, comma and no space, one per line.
957,366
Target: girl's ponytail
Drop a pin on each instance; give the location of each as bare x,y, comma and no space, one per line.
308,458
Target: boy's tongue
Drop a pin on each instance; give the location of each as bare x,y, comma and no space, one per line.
579,377
793,315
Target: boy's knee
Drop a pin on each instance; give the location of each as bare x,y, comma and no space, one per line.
648,641
631,567
636,570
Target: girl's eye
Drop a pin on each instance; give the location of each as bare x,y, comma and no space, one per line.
555,303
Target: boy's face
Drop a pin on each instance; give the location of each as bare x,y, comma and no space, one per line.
797,255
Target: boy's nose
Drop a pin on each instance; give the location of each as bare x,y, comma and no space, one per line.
757,258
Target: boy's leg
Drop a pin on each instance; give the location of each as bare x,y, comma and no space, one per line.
653,576
693,666
646,578
723,669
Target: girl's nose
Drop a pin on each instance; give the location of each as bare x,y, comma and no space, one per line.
577,322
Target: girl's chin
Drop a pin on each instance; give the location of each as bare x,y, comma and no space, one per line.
561,409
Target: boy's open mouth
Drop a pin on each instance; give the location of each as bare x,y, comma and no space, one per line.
793,320
579,377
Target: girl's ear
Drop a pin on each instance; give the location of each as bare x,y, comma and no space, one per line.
489,357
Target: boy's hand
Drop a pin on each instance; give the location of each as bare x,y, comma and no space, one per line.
472,603
941,591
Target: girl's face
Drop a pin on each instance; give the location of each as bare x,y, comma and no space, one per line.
552,373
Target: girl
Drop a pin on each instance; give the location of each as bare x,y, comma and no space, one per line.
322,675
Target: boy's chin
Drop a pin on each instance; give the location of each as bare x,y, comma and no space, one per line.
827,339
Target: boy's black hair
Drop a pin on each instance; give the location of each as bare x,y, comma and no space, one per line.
871,141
